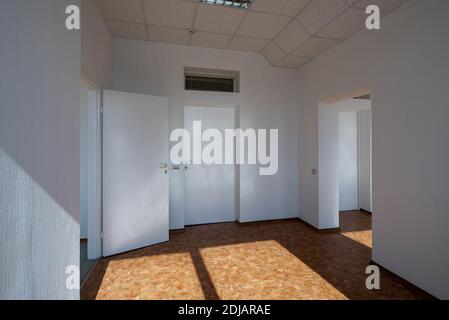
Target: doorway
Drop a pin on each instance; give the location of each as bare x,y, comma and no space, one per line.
345,158
355,156
209,189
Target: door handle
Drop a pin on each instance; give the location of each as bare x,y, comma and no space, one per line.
163,166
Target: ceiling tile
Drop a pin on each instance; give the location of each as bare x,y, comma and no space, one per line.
293,62
210,40
170,13
346,25
247,44
127,30
385,6
319,13
169,35
315,47
261,25
218,19
121,10
292,37
283,7
273,53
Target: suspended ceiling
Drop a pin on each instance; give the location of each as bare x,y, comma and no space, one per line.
288,33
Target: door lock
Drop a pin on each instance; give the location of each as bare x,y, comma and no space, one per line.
164,166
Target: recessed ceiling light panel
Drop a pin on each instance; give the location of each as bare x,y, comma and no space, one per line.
243,4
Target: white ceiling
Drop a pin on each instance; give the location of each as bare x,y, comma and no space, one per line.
288,33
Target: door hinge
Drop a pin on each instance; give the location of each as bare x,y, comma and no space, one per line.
101,235
101,109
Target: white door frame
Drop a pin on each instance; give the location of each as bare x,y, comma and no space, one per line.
94,168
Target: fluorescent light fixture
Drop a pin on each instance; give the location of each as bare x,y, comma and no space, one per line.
243,4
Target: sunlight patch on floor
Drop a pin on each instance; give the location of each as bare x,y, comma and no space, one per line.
362,237
263,270
152,278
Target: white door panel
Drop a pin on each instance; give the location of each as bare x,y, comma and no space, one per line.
135,187
209,189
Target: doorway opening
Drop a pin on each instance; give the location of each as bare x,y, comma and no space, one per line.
355,155
344,158
90,170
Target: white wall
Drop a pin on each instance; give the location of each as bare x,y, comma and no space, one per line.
39,149
328,168
364,150
404,65
348,161
267,100
96,45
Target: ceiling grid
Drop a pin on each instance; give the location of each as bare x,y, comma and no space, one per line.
288,33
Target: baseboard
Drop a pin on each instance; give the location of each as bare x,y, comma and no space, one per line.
329,230
206,224
366,211
239,223
406,283
180,230
250,223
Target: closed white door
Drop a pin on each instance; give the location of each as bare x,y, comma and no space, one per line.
135,178
209,189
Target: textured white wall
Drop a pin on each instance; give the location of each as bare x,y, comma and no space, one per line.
266,99
39,149
404,65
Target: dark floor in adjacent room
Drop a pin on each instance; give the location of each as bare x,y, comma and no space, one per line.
264,260
86,265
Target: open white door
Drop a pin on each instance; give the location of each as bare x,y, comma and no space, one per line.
135,178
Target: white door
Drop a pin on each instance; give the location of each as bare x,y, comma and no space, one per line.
209,189
135,179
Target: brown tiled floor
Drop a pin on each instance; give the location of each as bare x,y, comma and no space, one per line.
267,260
